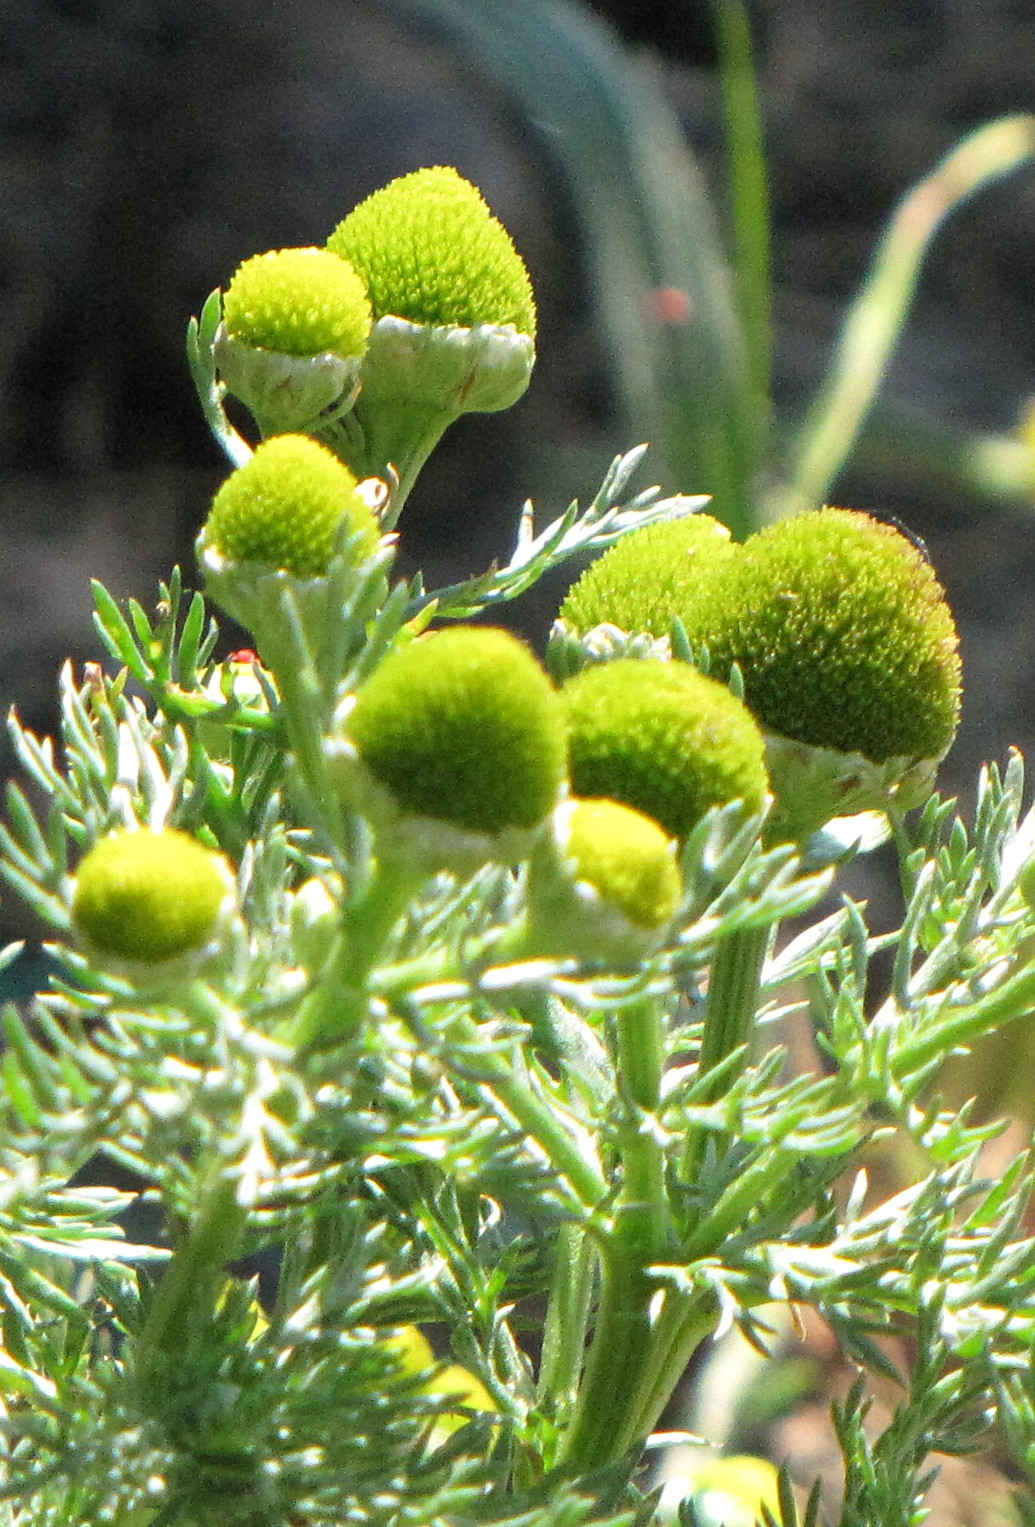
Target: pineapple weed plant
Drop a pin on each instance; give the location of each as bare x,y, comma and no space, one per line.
444,988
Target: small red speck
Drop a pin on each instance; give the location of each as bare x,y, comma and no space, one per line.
243,655
668,304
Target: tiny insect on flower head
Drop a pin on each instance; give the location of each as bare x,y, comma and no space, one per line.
662,738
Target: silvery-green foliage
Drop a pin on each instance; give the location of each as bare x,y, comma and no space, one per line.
461,1157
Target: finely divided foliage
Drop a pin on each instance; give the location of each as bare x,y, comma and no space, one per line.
394,1090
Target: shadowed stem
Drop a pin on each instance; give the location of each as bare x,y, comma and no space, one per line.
635,1239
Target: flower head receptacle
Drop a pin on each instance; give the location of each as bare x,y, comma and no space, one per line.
148,904
664,739
454,317
455,747
296,323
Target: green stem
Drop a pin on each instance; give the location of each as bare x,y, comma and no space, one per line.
567,1319
681,1327
621,1342
729,1016
193,1278
641,1058
603,1429
539,1120
385,441
338,1005
878,314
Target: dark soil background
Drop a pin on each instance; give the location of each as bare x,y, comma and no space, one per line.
147,146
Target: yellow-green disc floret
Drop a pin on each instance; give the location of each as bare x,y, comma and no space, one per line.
149,896
627,859
843,635
285,508
661,738
430,251
650,577
298,302
463,726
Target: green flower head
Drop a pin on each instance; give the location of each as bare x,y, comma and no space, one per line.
650,577
625,857
464,727
148,897
430,251
285,507
662,738
843,636
298,302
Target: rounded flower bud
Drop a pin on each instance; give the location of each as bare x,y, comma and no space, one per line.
650,577
295,326
624,856
287,508
454,329
664,739
843,636
460,735
430,251
147,898
298,302
603,886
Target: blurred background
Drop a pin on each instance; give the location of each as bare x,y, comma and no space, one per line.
147,146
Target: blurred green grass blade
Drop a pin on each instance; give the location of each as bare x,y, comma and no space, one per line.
657,269
876,319
748,195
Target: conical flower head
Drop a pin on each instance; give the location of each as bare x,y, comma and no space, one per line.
650,577
285,508
661,738
463,727
431,252
150,897
298,302
843,636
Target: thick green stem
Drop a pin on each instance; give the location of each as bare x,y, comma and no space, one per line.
641,1058
621,1347
193,1278
390,441
621,1343
682,1325
567,1319
336,1008
729,1016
